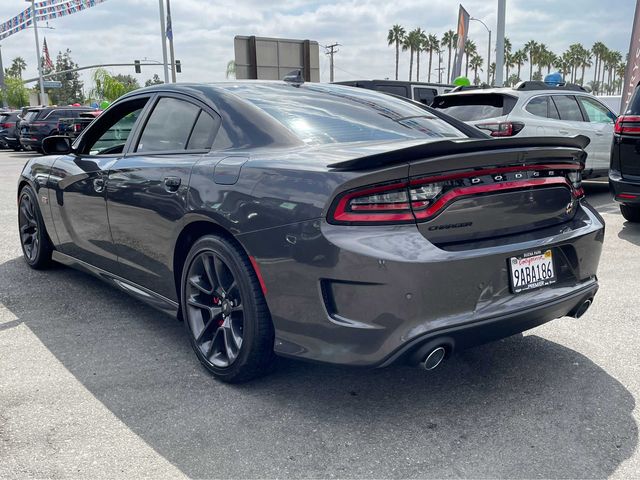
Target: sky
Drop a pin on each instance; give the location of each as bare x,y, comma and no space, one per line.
120,31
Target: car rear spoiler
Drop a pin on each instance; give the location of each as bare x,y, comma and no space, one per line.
459,146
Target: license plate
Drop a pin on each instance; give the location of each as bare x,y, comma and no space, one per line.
532,270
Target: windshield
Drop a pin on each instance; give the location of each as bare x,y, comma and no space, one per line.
338,114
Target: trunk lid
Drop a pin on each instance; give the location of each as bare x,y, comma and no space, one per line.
464,190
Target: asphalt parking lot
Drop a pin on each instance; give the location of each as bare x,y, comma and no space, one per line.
95,384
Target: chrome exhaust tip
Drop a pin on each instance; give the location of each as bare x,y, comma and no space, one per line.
434,358
582,309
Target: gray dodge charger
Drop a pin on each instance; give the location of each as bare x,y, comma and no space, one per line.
321,222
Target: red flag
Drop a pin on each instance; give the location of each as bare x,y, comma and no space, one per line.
46,59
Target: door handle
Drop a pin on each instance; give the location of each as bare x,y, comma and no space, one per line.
171,184
563,132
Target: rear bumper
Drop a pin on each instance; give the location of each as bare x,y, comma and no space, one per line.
490,329
624,190
368,296
31,143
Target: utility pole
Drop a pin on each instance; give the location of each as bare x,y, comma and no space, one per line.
331,50
170,37
500,43
488,48
163,33
35,29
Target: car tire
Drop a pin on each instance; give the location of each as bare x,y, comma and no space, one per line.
34,239
630,213
225,312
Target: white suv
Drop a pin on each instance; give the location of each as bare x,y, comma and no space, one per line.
536,109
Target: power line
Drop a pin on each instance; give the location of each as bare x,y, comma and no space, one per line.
331,50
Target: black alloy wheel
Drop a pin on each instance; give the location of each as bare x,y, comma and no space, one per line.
225,311
214,309
34,240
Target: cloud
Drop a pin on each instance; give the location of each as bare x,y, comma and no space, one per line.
120,31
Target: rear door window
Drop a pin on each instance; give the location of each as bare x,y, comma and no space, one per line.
568,108
424,95
596,113
203,132
395,89
169,126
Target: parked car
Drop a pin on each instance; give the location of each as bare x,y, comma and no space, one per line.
624,173
41,122
419,91
8,130
72,127
537,109
315,221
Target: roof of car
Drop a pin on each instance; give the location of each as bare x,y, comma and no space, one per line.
522,88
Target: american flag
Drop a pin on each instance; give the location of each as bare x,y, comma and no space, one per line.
46,59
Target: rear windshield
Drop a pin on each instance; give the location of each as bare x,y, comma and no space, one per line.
338,114
469,107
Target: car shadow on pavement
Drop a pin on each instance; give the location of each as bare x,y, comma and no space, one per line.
630,232
523,407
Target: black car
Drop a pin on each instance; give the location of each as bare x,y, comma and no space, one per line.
423,92
41,122
8,130
624,171
321,222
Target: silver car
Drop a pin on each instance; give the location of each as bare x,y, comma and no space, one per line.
535,109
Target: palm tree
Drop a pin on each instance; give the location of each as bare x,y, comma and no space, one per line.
508,60
449,40
18,65
396,36
231,69
598,49
492,72
519,57
621,71
421,40
470,49
431,45
411,42
531,47
476,63
584,62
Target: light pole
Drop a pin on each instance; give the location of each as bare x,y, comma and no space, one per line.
502,6
163,35
35,29
488,49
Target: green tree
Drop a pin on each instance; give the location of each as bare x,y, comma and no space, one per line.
531,47
129,81
231,69
153,81
106,87
394,37
449,40
421,41
432,45
16,93
476,64
411,42
519,57
18,65
469,51
72,87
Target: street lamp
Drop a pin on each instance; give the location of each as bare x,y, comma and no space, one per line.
488,49
35,29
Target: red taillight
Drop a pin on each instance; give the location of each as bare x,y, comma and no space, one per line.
423,198
77,127
627,125
627,196
8,125
502,129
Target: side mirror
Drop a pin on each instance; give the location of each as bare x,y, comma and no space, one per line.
56,145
